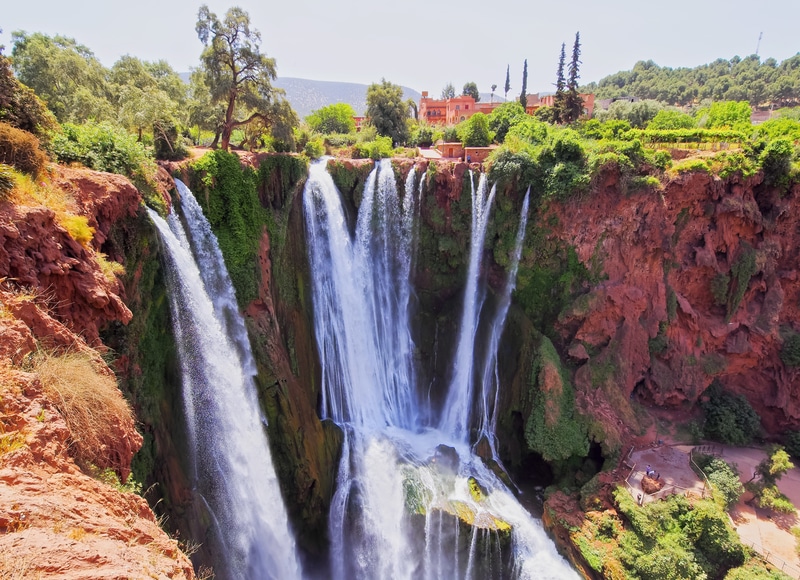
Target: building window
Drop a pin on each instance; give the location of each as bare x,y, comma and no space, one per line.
463,118
466,107
458,107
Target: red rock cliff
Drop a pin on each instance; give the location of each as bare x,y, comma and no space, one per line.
55,520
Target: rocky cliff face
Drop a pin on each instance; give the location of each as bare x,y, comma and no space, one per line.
700,283
56,521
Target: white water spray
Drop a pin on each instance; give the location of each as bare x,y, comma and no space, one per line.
410,502
232,471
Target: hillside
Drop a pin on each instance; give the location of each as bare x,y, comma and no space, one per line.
307,95
738,79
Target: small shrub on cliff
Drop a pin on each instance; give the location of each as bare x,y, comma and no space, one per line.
78,227
6,180
790,351
791,442
719,288
380,148
20,149
91,404
729,418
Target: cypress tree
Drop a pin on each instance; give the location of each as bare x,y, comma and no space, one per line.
573,102
508,82
558,100
523,97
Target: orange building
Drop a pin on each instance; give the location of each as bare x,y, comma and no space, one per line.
446,111
588,103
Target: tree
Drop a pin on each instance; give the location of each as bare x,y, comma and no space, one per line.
558,99
504,117
19,105
508,82
449,91
471,90
387,111
204,114
476,131
573,103
337,118
64,74
523,96
237,74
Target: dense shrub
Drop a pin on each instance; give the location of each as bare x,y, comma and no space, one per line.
504,117
20,149
315,148
729,418
671,119
103,147
790,351
776,161
380,148
723,476
475,132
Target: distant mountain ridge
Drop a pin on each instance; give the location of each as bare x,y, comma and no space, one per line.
307,95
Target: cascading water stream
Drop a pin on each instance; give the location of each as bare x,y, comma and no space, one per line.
411,502
232,467
490,385
455,416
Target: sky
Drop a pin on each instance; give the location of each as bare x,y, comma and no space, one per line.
425,44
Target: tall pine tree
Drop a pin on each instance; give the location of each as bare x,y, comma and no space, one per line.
573,103
560,96
523,96
508,81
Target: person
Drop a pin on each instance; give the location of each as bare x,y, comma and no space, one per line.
469,158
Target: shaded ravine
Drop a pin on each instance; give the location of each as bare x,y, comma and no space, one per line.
232,474
411,501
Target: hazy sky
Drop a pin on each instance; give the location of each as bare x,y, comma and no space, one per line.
423,44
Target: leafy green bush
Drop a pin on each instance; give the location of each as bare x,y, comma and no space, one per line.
315,148
676,539
337,140
380,148
20,149
729,418
671,119
504,117
102,147
475,132
336,118
776,161
723,476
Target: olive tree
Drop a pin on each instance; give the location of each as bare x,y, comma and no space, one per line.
238,75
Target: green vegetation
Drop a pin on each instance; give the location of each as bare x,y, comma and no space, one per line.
237,74
337,118
387,111
553,429
742,270
723,476
475,132
738,79
729,418
677,538
764,481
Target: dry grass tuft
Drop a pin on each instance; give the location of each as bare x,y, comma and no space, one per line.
28,191
110,268
90,402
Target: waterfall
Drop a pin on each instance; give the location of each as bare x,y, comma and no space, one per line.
232,470
411,501
490,385
455,417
